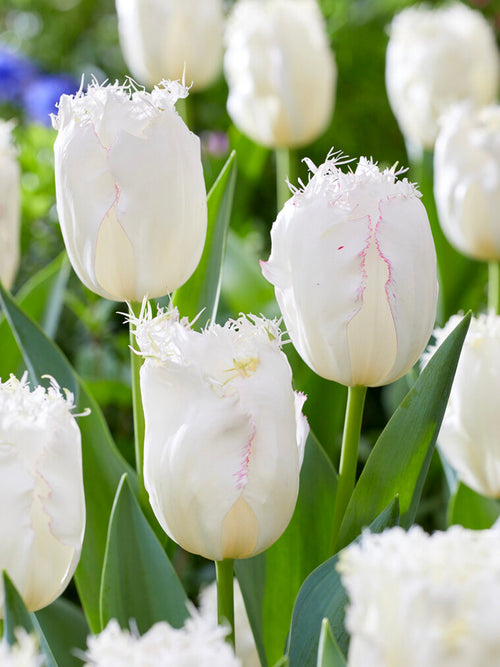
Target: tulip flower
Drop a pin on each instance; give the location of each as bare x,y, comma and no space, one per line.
130,191
470,431
437,57
166,39
41,491
10,207
467,180
418,599
354,270
280,71
200,642
224,433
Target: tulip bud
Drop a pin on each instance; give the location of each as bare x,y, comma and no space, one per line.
467,180
130,191
354,270
470,431
41,491
436,58
167,39
280,71
224,433
418,599
10,207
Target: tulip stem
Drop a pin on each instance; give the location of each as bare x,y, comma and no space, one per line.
349,456
225,595
284,168
138,413
493,287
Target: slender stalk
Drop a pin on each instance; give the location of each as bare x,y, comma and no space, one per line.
225,595
493,287
284,169
349,456
138,413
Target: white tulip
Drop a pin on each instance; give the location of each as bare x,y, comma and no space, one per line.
354,269
10,207
470,431
467,180
199,643
41,491
130,191
167,39
437,57
420,600
224,433
280,71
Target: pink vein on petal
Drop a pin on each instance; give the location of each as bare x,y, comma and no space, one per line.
242,474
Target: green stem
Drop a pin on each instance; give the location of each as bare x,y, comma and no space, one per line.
284,171
493,287
349,456
139,425
225,595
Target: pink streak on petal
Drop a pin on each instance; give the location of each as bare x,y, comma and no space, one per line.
242,474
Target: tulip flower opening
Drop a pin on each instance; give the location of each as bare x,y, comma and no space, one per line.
142,232
225,433
41,484
354,269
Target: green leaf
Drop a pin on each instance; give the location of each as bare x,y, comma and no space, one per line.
472,510
322,596
270,582
138,581
16,615
329,654
65,628
399,461
103,465
203,288
41,299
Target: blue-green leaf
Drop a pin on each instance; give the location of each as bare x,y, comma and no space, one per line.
65,629
138,581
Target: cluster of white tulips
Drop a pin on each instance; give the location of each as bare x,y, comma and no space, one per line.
221,438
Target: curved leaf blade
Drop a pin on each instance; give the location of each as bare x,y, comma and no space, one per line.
329,653
472,510
203,288
400,458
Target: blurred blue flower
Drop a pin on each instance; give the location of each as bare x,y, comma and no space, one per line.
42,93
16,72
